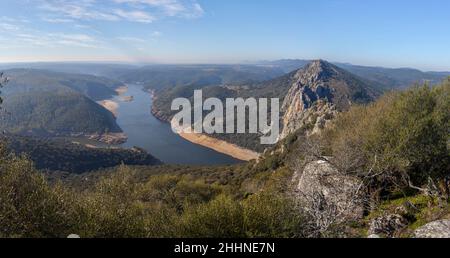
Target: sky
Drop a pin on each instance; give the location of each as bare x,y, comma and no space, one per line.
400,33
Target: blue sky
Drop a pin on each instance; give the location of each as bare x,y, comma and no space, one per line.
400,33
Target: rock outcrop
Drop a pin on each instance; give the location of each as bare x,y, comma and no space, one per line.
323,189
319,91
387,225
436,229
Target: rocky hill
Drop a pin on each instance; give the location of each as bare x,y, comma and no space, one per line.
312,95
319,90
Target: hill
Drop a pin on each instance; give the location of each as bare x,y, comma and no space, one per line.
319,81
32,80
96,69
65,156
55,113
47,103
321,89
387,78
395,78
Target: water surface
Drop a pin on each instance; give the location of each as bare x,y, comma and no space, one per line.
147,132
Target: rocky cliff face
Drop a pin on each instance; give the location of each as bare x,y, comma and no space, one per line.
319,91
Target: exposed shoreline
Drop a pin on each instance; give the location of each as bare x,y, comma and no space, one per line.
209,142
113,107
110,105
221,146
122,90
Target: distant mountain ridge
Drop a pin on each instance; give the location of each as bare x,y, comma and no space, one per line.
161,77
387,78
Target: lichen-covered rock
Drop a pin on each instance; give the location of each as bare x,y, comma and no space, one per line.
436,229
323,188
387,224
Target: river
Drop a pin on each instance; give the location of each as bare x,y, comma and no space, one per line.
147,132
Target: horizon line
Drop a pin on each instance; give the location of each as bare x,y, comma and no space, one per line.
244,62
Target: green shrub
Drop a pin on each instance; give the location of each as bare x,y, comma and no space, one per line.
269,214
402,137
220,218
29,207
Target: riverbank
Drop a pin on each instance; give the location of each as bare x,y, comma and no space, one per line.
122,90
109,138
218,145
221,146
110,105
209,142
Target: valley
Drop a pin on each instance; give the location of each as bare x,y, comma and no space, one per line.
110,144
146,131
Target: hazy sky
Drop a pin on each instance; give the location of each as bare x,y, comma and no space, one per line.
390,33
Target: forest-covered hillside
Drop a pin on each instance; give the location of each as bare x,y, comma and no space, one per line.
55,113
44,103
32,80
74,158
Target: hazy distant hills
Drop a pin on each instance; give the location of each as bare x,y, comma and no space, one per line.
48,103
388,78
97,69
168,76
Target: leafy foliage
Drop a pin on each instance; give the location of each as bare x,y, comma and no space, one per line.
401,140
30,208
121,205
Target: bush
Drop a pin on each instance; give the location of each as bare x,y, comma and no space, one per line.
29,207
114,209
269,214
178,191
220,218
401,139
